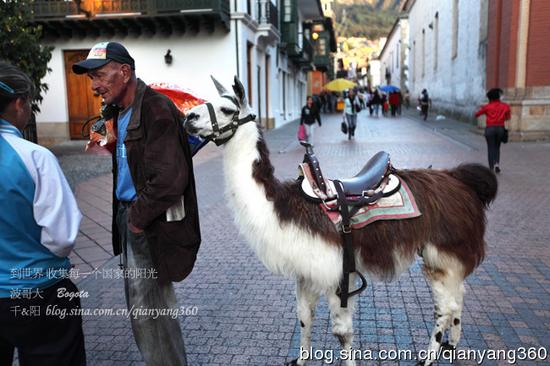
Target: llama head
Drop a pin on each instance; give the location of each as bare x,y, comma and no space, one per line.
218,119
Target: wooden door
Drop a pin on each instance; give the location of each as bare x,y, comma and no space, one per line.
83,104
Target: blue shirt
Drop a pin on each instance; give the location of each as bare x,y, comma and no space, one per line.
125,190
39,219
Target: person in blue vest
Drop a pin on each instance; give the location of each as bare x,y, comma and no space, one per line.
39,222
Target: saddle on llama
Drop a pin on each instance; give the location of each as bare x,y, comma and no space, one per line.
375,193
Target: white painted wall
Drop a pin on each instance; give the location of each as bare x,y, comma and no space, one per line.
195,58
390,58
395,56
455,84
374,73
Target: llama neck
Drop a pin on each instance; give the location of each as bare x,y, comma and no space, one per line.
250,181
256,197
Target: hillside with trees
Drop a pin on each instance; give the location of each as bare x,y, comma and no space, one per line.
366,18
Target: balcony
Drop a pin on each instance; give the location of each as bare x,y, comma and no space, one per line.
268,21
66,19
306,57
321,58
268,14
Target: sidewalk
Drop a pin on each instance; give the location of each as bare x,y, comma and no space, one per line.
246,315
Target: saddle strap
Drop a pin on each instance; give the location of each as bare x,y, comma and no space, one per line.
348,258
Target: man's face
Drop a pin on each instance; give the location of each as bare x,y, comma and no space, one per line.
110,81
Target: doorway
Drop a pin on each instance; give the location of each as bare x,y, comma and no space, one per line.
82,102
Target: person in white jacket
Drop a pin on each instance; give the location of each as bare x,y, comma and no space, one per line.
351,108
39,222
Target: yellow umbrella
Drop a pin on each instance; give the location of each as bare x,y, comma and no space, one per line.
339,85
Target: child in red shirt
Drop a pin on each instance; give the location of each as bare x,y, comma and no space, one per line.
497,112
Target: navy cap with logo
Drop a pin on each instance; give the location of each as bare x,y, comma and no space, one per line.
101,54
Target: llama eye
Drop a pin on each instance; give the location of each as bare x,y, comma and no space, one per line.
227,110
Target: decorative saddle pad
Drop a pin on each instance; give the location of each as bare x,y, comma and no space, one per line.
400,205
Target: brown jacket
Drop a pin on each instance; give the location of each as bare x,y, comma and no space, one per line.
159,159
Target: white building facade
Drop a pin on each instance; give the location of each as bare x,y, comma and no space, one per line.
448,42
223,39
394,56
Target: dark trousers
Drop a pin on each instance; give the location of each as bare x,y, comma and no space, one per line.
424,111
494,135
42,339
393,109
352,123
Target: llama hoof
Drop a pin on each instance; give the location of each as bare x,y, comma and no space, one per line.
446,346
292,363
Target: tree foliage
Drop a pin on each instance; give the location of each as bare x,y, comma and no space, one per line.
371,19
20,44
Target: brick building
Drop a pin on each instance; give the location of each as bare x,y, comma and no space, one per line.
517,61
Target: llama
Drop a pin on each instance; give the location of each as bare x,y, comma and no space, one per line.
293,237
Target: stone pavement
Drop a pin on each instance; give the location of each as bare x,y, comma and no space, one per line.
246,316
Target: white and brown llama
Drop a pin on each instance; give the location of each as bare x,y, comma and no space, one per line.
293,237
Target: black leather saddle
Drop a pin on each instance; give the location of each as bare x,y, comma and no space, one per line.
370,177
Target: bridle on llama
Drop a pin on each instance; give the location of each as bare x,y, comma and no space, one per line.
235,123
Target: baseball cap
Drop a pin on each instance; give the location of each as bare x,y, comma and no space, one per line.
101,54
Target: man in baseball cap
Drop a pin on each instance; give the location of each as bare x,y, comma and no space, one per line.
103,53
153,176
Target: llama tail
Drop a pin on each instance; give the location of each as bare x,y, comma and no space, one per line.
479,178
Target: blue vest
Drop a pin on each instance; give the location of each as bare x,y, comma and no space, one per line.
25,264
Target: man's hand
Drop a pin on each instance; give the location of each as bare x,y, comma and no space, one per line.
134,229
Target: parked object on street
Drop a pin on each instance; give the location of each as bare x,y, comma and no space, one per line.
440,117
293,236
155,214
497,113
39,223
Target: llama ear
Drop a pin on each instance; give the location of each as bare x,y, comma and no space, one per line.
219,86
238,88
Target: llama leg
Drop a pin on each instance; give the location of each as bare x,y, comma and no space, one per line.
456,326
342,321
306,303
447,302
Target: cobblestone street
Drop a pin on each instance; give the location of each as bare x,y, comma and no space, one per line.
246,315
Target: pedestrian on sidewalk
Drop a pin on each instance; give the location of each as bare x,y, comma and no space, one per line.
385,105
351,107
376,101
497,113
310,114
39,223
425,103
394,103
155,215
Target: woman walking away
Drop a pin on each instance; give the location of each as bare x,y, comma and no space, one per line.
352,106
394,103
310,114
497,112
425,103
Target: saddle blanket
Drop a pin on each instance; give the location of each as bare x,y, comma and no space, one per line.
399,206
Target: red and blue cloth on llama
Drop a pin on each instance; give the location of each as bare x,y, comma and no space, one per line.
400,205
